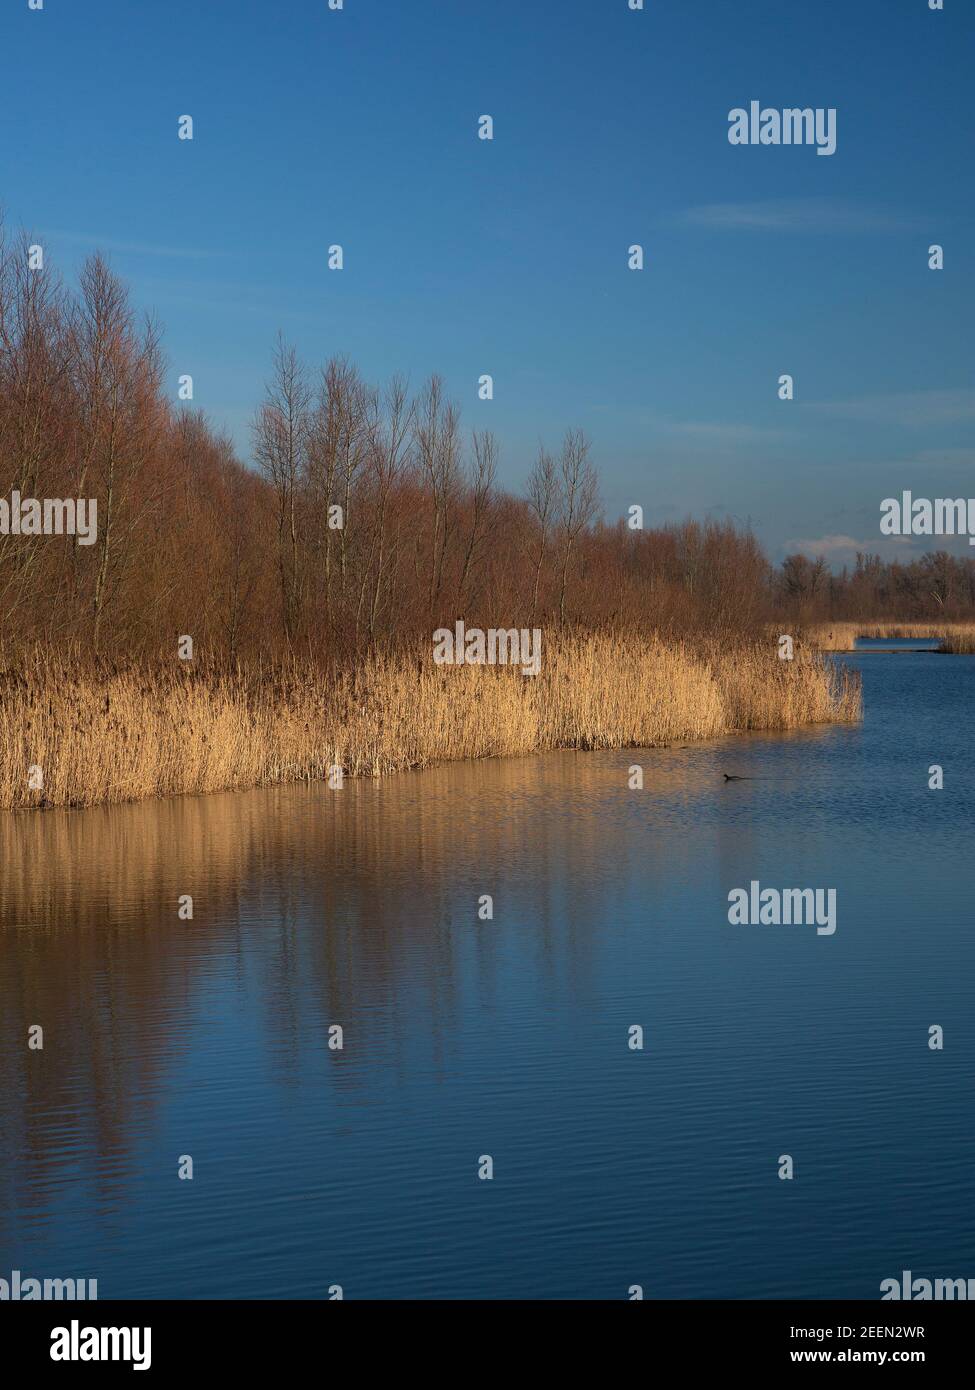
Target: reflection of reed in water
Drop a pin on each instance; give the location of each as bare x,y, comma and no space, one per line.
91,950
311,907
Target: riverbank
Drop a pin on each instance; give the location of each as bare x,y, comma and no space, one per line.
955,638
80,735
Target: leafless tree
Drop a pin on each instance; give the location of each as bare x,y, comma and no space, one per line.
119,374
543,500
484,468
578,500
437,438
390,426
280,445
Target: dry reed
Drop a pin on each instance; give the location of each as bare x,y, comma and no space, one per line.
110,734
958,639
955,637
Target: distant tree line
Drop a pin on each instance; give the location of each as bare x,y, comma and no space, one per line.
370,515
935,585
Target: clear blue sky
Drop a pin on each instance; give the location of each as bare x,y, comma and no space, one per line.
509,257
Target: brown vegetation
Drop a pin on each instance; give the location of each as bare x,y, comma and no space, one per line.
311,586
102,733
957,638
935,588
368,520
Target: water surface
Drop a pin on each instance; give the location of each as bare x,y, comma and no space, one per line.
463,1037
898,644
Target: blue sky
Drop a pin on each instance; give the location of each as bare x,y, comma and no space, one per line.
509,257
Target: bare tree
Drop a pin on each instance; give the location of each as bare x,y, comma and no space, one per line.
119,377
484,468
390,425
353,450
543,499
337,448
35,405
579,497
280,445
437,436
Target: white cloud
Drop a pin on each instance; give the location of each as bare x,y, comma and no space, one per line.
134,248
727,434
815,215
908,408
846,547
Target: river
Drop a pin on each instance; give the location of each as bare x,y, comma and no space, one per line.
316,1165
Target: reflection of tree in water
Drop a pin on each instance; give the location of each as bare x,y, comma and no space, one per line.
355,907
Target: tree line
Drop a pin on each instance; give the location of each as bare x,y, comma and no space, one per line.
936,585
369,514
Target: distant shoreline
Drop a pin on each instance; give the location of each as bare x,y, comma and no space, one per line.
955,638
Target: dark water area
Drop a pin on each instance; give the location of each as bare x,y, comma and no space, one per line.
898,644
507,1037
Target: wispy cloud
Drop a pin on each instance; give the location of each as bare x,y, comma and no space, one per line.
839,548
135,248
810,215
963,458
906,408
714,432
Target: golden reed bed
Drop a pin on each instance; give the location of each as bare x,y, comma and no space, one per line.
105,734
957,638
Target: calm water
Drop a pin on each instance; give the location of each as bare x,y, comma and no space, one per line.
612,1167
898,644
